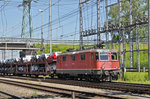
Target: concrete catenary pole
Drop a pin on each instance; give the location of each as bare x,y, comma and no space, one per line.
30,19
98,22
137,49
119,32
106,7
23,21
50,25
81,25
124,50
42,40
130,38
149,38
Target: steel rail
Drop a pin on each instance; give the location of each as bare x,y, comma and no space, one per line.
67,92
124,87
11,95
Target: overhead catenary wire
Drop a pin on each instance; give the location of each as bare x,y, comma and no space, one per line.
68,15
3,17
63,18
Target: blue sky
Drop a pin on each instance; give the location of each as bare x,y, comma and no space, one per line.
65,18
11,18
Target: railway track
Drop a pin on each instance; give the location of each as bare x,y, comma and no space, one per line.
10,95
118,86
67,92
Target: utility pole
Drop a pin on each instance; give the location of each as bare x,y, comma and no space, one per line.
124,50
98,22
81,26
23,21
137,49
50,24
30,18
149,38
119,32
131,36
106,34
42,40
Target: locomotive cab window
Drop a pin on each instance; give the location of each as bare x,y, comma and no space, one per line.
64,58
103,56
83,57
114,56
73,58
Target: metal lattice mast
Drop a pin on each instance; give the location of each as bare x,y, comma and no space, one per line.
23,20
26,13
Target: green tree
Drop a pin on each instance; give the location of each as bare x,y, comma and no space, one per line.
139,12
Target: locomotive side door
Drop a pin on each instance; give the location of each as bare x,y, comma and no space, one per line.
92,60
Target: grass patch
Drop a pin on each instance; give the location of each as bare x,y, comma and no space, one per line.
35,93
135,77
56,47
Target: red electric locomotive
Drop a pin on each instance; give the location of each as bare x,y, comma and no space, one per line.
93,64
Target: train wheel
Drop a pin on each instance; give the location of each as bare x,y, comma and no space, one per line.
75,78
36,76
60,76
88,78
71,77
115,77
29,75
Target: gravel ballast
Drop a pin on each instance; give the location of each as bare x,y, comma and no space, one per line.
25,92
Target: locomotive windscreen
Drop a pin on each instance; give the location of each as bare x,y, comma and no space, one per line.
103,55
